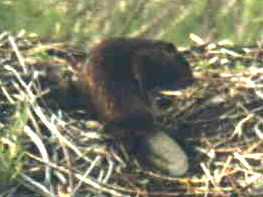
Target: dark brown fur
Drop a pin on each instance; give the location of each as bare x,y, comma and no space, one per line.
120,73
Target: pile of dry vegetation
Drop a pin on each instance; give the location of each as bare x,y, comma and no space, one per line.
51,149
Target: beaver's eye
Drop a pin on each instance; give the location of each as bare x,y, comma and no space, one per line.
170,48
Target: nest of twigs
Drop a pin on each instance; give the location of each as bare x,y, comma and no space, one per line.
51,150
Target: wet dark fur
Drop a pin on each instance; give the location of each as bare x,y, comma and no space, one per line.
120,73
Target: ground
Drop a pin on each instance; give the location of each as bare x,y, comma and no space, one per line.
218,121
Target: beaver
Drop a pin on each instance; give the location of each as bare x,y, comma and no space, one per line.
119,77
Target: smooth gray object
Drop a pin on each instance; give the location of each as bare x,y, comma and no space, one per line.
163,153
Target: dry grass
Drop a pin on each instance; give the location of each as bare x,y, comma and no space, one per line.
62,152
